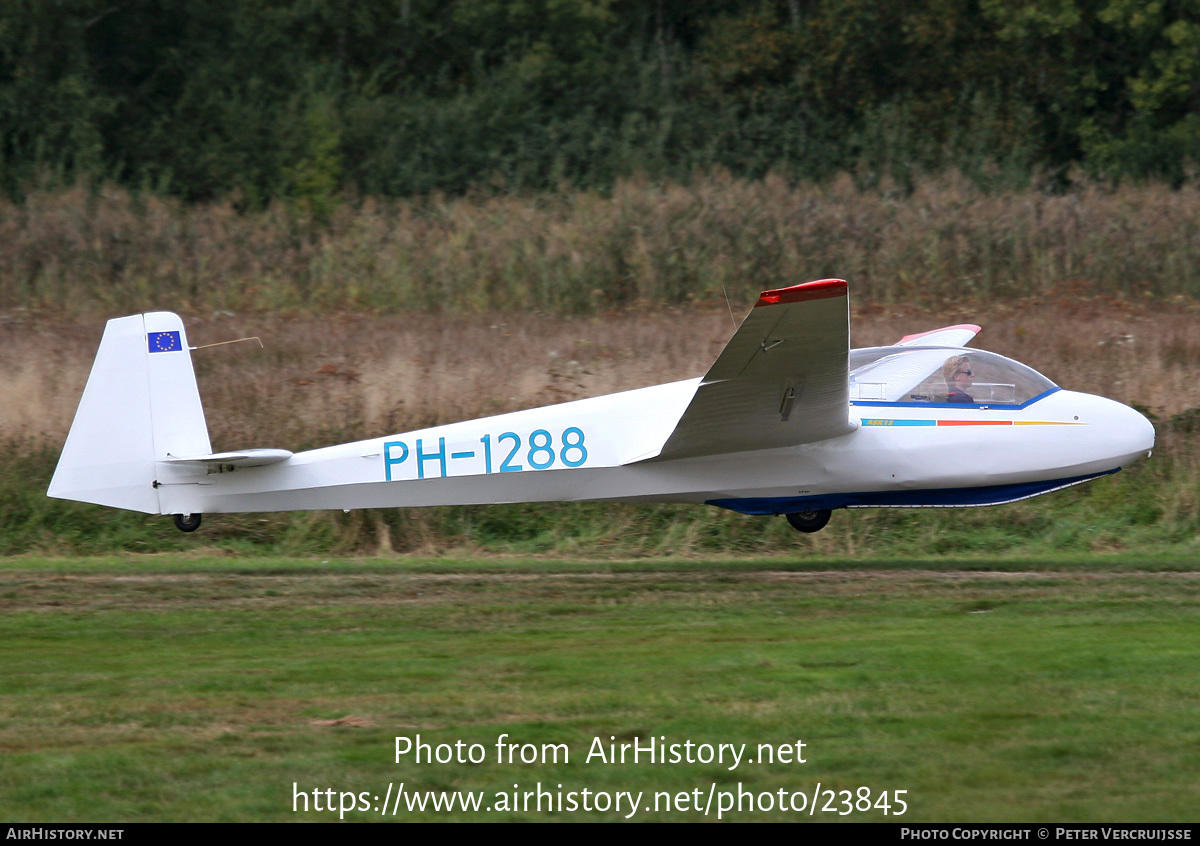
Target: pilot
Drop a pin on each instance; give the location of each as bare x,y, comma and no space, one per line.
958,376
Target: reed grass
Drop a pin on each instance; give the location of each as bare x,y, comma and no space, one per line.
100,250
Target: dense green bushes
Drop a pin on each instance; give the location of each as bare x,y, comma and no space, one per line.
304,99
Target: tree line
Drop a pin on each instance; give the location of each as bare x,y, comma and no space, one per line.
309,99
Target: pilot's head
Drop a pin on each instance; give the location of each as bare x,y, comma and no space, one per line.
957,372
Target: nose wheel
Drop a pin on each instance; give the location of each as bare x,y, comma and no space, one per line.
187,522
808,521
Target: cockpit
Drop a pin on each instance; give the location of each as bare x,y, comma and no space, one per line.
955,376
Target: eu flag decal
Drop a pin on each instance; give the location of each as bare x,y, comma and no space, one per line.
164,342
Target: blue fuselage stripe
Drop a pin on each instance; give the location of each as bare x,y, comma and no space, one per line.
884,421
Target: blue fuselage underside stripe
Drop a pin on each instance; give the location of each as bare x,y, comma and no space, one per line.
935,498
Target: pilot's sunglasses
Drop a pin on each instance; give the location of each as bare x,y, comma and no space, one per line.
964,372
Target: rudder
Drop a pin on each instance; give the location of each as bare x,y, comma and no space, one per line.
141,404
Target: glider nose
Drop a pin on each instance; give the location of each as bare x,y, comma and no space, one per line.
1144,430
1129,432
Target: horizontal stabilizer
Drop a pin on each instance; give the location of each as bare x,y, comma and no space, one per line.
240,458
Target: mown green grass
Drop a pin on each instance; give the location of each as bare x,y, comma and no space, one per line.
167,688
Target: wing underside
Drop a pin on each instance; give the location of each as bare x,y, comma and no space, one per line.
780,381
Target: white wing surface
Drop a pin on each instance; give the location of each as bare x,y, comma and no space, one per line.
780,381
949,336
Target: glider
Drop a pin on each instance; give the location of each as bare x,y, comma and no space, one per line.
788,420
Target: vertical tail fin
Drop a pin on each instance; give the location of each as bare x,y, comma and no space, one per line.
140,404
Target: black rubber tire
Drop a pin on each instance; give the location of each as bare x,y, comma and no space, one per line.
809,521
187,522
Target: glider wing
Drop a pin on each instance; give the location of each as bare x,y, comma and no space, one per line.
780,381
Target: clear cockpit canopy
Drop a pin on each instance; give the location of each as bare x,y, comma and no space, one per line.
942,375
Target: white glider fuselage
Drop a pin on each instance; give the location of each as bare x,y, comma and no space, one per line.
525,456
788,420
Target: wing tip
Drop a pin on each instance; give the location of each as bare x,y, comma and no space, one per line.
821,289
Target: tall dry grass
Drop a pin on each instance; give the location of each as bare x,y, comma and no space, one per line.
322,381
350,376
93,252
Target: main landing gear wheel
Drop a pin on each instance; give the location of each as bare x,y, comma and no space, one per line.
808,521
187,522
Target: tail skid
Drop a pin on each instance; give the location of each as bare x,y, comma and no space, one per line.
141,406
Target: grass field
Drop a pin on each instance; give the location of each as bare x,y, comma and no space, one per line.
177,688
